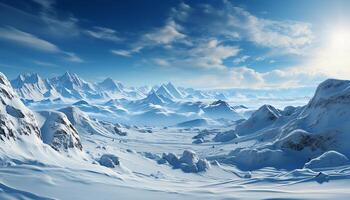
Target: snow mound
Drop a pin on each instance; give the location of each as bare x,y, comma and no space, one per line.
189,157
225,136
300,140
109,160
328,159
251,159
58,132
188,162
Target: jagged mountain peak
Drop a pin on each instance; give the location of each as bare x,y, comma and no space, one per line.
267,111
174,90
153,98
71,78
163,90
220,103
110,85
26,78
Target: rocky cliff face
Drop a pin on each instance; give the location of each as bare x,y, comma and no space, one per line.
58,132
15,118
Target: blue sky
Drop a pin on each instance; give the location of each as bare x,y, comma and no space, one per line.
204,44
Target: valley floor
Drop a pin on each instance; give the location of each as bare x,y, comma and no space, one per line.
139,176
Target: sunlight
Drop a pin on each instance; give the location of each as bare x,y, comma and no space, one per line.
332,58
340,39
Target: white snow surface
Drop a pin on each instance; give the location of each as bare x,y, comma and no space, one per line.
295,153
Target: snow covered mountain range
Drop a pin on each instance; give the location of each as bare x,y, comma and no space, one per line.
111,136
71,86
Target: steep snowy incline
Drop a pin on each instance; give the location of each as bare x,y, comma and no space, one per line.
15,118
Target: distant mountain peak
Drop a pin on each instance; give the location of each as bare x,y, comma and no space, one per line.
163,90
22,79
174,91
110,85
154,98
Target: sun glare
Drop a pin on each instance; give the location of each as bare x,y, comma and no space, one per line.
340,39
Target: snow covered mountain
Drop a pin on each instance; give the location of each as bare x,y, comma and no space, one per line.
32,86
110,85
294,136
174,91
163,91
221,109
26,131
15,118
69,85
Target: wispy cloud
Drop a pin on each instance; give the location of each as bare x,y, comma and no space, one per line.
161,62
26,39
126,53
47,4
121,52
211,54
165,35
72,57
59,26
288,36
241,59
103,33
246,77
45,64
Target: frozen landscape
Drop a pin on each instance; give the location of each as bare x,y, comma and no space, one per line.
174,99
63,134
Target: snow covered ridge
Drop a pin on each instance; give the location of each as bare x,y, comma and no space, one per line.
71,86
292,137
16,120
